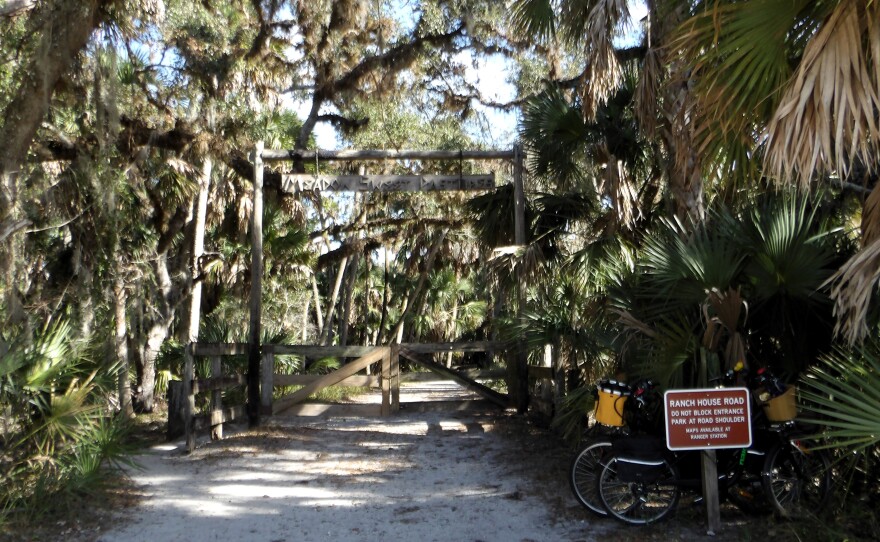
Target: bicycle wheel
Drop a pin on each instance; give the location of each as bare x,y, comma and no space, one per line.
638,499
796,480
584,474
744,483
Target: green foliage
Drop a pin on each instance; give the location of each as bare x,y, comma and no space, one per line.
842,394
556,133
571,418
58,434
776,256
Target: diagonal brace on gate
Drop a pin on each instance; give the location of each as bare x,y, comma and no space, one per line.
337,376
487,392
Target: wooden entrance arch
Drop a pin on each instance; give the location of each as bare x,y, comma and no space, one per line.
257,362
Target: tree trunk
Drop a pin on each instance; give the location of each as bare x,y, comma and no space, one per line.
385,293
687,189
319,315
331,305
64,28
368,287
123,382
683,166
348,294
157,331
305,320
84,281
417,292
352,270
201,209
145,398
450,327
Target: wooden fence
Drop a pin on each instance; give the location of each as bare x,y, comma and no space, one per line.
388,379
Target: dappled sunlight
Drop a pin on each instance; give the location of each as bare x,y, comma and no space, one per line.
417,477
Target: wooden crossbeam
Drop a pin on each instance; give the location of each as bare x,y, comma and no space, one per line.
317,351
362,381
216,417
200,385
276,155
219,349
299,182
469,346
282,380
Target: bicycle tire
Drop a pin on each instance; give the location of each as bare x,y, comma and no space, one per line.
745,485
584,474
796,480
639,503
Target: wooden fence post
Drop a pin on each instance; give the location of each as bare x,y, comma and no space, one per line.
189,399
176,402
217,399
267,379
254,358
386,383
395,378
710,491
520,372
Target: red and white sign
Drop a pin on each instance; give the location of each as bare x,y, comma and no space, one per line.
707,419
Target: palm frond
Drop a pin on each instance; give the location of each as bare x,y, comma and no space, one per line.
739,55
828,117
843,395
493,216
852,290
534,17
788,256
555,134
683,268
595,26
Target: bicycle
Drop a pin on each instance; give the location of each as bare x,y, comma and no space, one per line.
796,479
641,481
596,441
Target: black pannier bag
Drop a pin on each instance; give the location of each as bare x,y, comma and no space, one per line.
639,459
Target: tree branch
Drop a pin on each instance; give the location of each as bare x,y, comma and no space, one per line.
9,227
13,7
343,122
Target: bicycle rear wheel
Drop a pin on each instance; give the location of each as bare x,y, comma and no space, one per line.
743,481
584,474
640,499
796,480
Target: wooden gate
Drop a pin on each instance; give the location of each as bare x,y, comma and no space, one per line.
389,374
388,379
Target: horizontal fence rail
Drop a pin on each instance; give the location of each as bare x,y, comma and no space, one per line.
388,380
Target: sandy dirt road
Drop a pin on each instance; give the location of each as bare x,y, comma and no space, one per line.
416,477
449,476
435,476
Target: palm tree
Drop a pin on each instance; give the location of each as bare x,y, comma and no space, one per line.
790,86
799,84
662,103
744,286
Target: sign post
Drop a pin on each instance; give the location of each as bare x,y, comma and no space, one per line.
708,419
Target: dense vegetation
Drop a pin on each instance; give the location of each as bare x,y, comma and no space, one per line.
701,190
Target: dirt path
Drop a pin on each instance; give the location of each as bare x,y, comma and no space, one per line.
422,477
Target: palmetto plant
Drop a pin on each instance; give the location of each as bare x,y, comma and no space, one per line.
841,395
58,432
773,258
